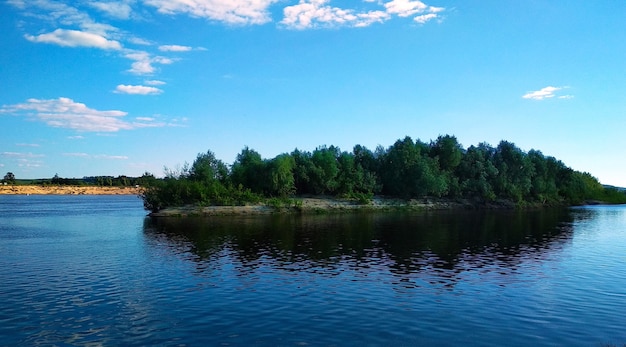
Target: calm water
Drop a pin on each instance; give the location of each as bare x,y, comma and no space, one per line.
85,270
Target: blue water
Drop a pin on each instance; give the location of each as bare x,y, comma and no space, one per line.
94,270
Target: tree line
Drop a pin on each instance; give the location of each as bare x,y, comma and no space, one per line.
100,181
407,169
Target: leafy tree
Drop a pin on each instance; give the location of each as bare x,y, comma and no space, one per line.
367,165
448,152
280,171
409,172
323,174
207,168
476,172
304,167
9,178
249,170
515,171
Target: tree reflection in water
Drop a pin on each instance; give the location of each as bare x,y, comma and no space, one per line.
437,248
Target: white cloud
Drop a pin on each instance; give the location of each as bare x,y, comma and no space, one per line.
19,155
65,113
23,160
27,144
140,90
545,93
154,82
111,157
240,12
60,14
77,137
143,64
318,13
91,34
425,18
139,41
79,155
98,156
174,48
405,8
119,10
75,38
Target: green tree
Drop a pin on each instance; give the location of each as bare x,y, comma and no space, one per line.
367,167
448,152
281,178
207,168
409,172
304,166
515,171
476,172
323,174
249,170
9,178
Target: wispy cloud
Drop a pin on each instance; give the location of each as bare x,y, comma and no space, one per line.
24,160
237,12
86,32
144,61
66,113
174,48
76,154
120,10
20,155
75,38
154,82
27,144
97,156
546,93
111,157
138,90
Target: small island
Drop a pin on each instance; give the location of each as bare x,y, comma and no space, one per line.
409,174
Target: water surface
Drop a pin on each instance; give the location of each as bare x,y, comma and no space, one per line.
85,270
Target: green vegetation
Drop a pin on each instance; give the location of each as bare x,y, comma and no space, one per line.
407,169
9,178
99,181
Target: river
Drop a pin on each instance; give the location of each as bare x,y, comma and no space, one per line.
94,270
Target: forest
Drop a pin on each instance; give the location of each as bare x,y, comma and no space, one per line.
407,169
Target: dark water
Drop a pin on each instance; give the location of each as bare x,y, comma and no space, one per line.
89,271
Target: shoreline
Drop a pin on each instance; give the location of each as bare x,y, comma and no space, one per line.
66,190
322,205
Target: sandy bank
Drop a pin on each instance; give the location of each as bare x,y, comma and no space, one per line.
67,190
312,205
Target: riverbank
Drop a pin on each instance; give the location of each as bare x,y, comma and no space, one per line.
67,190
330,205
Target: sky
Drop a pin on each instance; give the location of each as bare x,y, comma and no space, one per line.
90,88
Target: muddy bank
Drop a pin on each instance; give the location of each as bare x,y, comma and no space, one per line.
67,190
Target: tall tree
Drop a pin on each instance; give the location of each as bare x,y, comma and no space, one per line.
207,168
281,178
323,176
515,171
249,170
476,172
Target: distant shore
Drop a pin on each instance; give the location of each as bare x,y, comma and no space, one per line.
66,190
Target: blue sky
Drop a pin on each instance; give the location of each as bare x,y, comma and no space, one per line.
123,87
